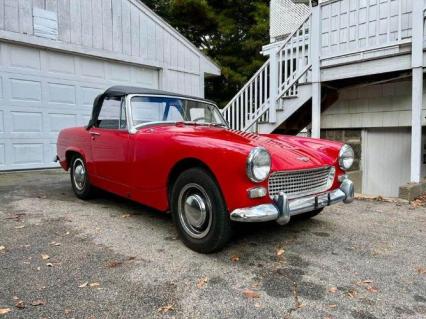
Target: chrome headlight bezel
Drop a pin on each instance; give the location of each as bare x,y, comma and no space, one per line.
346,157
253,158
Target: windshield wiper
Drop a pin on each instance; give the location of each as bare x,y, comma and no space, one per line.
218,125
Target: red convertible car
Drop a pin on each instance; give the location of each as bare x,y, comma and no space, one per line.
176,153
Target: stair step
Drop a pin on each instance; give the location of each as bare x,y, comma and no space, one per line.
289,97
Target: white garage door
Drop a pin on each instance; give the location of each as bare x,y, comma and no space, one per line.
42,92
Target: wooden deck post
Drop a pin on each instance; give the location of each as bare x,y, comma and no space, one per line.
417,87
316,71
273,85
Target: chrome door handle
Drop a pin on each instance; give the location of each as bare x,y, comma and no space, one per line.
95,134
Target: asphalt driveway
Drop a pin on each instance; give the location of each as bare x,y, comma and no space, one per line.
110,258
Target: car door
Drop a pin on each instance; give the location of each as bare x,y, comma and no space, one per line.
110,145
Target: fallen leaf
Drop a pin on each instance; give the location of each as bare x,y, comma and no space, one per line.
352,293
165,309
19,227
2,248
4,311
131,258
421,270
202,282
49,264
255,285
332,306
38,302
280,252
333,290
44,256
20,304
372,289
251,293
54,243
16,217
83,284
94,285
367,281
125,216
235,258
114,263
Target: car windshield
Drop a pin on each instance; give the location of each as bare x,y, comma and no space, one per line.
149,109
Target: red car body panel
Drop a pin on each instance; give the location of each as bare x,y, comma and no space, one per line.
138,166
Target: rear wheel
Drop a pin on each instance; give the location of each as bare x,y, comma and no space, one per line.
79,178
308,215
199,211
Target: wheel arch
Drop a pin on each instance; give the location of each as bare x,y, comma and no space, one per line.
69,154
185,164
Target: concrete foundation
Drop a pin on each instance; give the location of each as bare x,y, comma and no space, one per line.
412,190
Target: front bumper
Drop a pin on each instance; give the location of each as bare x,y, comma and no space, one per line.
282,209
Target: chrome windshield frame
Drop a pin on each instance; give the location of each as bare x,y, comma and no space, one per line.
134,128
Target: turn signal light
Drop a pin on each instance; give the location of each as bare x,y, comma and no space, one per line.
257,192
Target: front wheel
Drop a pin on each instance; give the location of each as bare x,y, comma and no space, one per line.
199,211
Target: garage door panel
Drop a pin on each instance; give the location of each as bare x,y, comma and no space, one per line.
60,63
2,155
25,90
88,94
24,57
28,153
28,122
145,77
1,121
1,88
59,121
119,72
92,68
61,93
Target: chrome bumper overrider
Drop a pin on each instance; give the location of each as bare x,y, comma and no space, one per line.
283,208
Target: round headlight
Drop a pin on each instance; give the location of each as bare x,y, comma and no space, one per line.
258,164
346,157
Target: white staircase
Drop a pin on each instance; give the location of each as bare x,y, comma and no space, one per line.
280,87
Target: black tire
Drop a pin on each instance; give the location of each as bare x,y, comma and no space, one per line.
307,215
203,230
79,179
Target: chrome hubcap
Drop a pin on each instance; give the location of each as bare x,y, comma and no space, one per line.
79,174
195,212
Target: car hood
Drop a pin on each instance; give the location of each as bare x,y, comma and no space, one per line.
290,151
286,151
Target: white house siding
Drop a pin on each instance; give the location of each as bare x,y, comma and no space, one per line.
382,105
383,113
124,30
285,17
57,55
356,25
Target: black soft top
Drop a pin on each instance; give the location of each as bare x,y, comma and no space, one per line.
121,91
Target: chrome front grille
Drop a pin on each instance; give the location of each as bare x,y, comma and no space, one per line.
302,182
